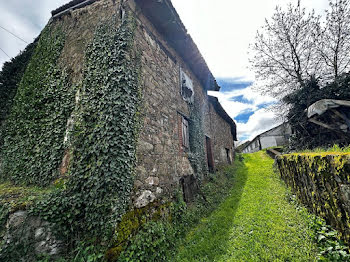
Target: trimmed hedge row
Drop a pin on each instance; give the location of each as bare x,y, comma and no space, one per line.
321,181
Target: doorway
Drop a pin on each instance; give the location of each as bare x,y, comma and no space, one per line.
210,158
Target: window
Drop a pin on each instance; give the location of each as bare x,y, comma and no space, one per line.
186,87
185,133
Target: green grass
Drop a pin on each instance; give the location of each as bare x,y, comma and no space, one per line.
333,149
18,197
255,223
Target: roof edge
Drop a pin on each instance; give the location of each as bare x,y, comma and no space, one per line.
164,17
166,20
221,112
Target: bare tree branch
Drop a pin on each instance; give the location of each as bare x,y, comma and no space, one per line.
285,51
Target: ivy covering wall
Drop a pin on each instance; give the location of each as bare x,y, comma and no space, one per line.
197,155
34,130
105,132
89,201
10,77
103,148
321,181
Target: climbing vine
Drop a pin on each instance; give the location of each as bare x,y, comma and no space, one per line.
10,77
34,130
106,132
197,154
100,176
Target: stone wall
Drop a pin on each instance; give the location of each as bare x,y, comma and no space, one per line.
32,232
162,161
322,183
222,138
79,27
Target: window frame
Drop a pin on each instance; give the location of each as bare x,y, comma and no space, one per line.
185,132
186,83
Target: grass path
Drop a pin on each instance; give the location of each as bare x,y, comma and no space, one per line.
255,223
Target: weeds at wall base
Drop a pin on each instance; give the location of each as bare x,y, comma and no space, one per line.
158,240
330,246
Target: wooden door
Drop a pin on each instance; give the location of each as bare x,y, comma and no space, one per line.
210,158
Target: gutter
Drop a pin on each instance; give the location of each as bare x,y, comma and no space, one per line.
56,13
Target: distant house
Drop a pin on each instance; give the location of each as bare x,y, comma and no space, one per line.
241,145
277,136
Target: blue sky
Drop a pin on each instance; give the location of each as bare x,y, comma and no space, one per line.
247,107
222,30
229,85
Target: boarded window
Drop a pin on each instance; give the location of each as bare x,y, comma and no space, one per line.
185,133
186,87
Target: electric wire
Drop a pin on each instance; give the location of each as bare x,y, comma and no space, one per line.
4,52
13,34
8,31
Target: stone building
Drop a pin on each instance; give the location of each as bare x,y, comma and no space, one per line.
182,131
113,111
175,77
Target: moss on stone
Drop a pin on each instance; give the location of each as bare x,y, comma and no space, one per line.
320,180
131,223
19,197
112,254
14,198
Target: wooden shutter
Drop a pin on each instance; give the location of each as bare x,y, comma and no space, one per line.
185,133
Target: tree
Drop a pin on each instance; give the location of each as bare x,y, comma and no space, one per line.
284,51
294,46
334,44
307,134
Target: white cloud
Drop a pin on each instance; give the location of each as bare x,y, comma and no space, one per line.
234,108
224,29
261,121
25,19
